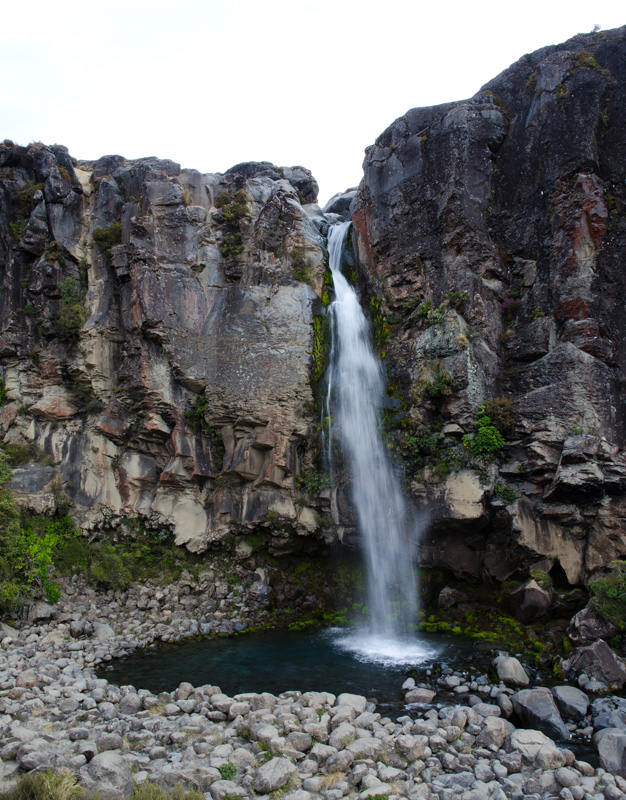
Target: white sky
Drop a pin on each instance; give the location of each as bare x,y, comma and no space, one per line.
210,83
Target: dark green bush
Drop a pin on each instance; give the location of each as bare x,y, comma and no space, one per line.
72,312
487,442
609,594
107,238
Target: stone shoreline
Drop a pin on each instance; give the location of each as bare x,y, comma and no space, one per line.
56,713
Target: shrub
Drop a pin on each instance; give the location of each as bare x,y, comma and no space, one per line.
313,481
227,771
487,442
609,594
301,269
72,312
500,410
59,785
107,238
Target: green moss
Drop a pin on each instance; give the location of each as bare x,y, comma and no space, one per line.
321,346
301,269
587,60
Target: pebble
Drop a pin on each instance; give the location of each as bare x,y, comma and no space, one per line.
303,746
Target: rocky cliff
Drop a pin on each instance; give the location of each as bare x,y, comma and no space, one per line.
157,344
163,332
491,236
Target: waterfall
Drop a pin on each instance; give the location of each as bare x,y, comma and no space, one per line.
356,387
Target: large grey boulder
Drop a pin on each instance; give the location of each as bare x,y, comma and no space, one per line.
109,775
529,602
609,712
273,775
597,661
511,671
536,709
587,626
571,702
611,744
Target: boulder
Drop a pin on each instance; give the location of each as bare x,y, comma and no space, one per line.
571,702
529,602
536,708
420,696
510,671
449,597
273,775
109,775
597,661
587,626
611,745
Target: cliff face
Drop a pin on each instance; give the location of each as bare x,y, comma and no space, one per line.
156,342
492,235
162,332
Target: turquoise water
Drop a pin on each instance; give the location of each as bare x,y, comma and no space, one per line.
278,661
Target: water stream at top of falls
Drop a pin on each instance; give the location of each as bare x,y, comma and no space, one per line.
356,387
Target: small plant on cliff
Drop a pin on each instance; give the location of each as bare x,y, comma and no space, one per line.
487,442
234,210
72,312
313,481
501,412
107,238
3,393
609,594
300,266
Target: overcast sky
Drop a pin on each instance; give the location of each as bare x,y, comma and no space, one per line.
210,83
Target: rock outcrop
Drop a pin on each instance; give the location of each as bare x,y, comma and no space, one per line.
490,234
163,331
157,344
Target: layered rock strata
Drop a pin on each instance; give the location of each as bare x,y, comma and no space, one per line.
157,343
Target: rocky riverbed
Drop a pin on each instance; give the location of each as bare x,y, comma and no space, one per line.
455,739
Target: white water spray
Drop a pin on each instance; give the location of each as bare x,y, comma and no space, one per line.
355,394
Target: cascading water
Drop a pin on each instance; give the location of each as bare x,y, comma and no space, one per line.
355,395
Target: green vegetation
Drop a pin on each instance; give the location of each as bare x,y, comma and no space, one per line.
609,594
72,312
502,413
20,454
62,785
586,59
542,578
537,313
234,210
312,481
301,269
487,442
227,771
380,328
504,490
26,548
321,346
107,238
457,299
430,315
4,392
440,386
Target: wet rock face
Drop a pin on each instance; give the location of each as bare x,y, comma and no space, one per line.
156,340
516,198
